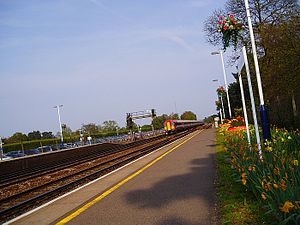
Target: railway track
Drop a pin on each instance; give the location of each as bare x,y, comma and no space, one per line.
29,173
35,190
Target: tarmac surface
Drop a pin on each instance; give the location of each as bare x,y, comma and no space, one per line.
174,185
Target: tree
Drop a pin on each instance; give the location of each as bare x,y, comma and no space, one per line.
110,125
281,71
174,116
17,137
47,135
188,115
34,135
262,12
158,121
90,128
66,130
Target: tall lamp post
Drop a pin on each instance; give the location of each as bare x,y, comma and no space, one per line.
263,110
60,126
216,80
1,149
225,79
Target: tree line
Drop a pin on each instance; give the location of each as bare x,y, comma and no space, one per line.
276,27
92,129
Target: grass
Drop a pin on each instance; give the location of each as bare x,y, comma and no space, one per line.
237,206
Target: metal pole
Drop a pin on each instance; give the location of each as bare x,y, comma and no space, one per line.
222,106
226,88
60,126
252,101
1,148
41,143
263,110
244,108
221,116
221,95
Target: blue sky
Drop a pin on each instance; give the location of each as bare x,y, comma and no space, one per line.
103,58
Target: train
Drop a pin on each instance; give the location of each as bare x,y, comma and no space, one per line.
173,126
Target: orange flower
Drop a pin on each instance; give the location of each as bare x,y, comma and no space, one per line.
268,187
287,207
244,178
283,185
264,196
275,186
276,171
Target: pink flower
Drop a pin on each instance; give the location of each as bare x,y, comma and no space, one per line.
231,16
225,28
220,17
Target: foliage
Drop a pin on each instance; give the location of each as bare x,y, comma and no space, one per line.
110,125
276,27
34,135
158,121
281,71
17,137
47,135
262,12
209,119
188,115
275,179
90,128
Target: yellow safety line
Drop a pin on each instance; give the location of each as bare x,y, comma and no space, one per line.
106,193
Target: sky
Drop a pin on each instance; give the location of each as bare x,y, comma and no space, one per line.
101,59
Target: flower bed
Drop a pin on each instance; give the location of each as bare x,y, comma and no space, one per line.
275,180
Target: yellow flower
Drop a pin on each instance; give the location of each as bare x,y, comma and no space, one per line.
287,207
269,149
282,139
275,186
264,196
295,162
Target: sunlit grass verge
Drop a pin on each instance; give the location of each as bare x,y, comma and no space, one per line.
237,206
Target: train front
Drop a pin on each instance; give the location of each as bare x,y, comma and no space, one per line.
169,126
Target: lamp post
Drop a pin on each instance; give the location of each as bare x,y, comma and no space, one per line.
263,110
1,149
225,79
60,126
41,142
221,96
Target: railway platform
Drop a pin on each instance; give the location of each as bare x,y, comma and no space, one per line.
173,185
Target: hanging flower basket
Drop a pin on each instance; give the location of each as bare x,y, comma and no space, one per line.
220,90
230,28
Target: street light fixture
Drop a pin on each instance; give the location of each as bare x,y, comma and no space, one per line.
60,126
225,79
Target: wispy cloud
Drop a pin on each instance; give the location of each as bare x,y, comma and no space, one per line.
199,3
176,39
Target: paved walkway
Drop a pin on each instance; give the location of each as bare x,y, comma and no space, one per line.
177,189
